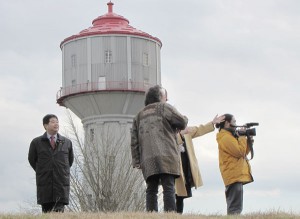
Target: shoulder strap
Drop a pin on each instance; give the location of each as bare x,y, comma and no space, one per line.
250,145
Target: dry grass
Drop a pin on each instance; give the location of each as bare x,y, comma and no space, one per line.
142,215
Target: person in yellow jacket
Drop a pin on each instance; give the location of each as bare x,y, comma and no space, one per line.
190,174
233,163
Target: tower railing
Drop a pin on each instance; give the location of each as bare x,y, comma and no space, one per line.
102,86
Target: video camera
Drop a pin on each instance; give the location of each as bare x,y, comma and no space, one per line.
247,131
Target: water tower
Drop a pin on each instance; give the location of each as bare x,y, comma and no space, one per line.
106,70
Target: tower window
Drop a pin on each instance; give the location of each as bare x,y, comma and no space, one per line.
73,83
108,56
145,59
101,83
92,135
73,61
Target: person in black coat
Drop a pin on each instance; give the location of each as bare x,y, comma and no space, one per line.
51,156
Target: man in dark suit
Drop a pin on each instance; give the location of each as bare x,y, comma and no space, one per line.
51,156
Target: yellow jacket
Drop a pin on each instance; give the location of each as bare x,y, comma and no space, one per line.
194,132
233,163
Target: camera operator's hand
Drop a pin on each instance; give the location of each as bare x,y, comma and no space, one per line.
240,130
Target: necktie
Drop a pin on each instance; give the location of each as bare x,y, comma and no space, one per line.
52,142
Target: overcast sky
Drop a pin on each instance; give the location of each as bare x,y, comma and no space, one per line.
218,56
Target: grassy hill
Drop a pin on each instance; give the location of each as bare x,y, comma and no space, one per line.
142,215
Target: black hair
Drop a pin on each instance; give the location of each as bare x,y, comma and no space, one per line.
47,118
228,118
153,95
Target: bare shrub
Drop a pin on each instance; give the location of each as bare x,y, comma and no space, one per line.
102,177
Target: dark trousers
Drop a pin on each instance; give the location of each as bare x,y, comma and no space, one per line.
53,207
234,198
168,184
179,204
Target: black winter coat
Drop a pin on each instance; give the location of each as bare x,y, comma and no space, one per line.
52,168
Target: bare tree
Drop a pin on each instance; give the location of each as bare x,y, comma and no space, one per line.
102,177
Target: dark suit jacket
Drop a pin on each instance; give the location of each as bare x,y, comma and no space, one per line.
52,168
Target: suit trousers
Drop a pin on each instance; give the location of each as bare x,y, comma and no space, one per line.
234,198
168,184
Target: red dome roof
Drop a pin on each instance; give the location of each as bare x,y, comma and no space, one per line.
110,23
